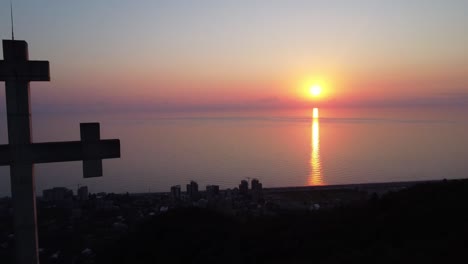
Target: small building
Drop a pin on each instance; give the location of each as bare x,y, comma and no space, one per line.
105,205
212,192
57,194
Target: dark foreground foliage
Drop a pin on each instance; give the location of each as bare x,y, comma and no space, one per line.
427,223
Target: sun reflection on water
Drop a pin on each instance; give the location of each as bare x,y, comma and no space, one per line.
315,177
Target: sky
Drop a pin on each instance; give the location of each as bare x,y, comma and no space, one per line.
183,55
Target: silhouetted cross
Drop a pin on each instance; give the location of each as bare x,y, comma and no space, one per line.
21,154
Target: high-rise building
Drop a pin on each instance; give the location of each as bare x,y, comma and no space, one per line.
256,185
257,190
82,193
192,190
244,187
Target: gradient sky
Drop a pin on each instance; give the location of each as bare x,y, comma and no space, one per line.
228,54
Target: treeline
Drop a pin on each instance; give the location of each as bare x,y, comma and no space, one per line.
427,223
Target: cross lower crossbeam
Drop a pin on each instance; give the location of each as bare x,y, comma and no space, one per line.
63,151
91,150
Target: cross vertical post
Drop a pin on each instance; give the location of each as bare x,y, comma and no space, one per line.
21,172
90,132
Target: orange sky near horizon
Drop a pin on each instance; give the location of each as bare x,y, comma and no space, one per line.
247,53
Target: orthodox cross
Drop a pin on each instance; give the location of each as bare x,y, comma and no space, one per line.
21,154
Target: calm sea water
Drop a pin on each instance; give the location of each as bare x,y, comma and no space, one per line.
280,148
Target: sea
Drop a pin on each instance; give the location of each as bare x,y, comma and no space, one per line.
281,148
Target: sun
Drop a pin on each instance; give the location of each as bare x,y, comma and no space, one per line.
315,90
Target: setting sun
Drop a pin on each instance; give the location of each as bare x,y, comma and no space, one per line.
315,90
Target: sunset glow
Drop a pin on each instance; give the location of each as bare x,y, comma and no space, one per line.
216,57
315,88
185,61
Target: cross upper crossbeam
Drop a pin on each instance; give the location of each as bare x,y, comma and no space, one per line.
24,71
17,67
